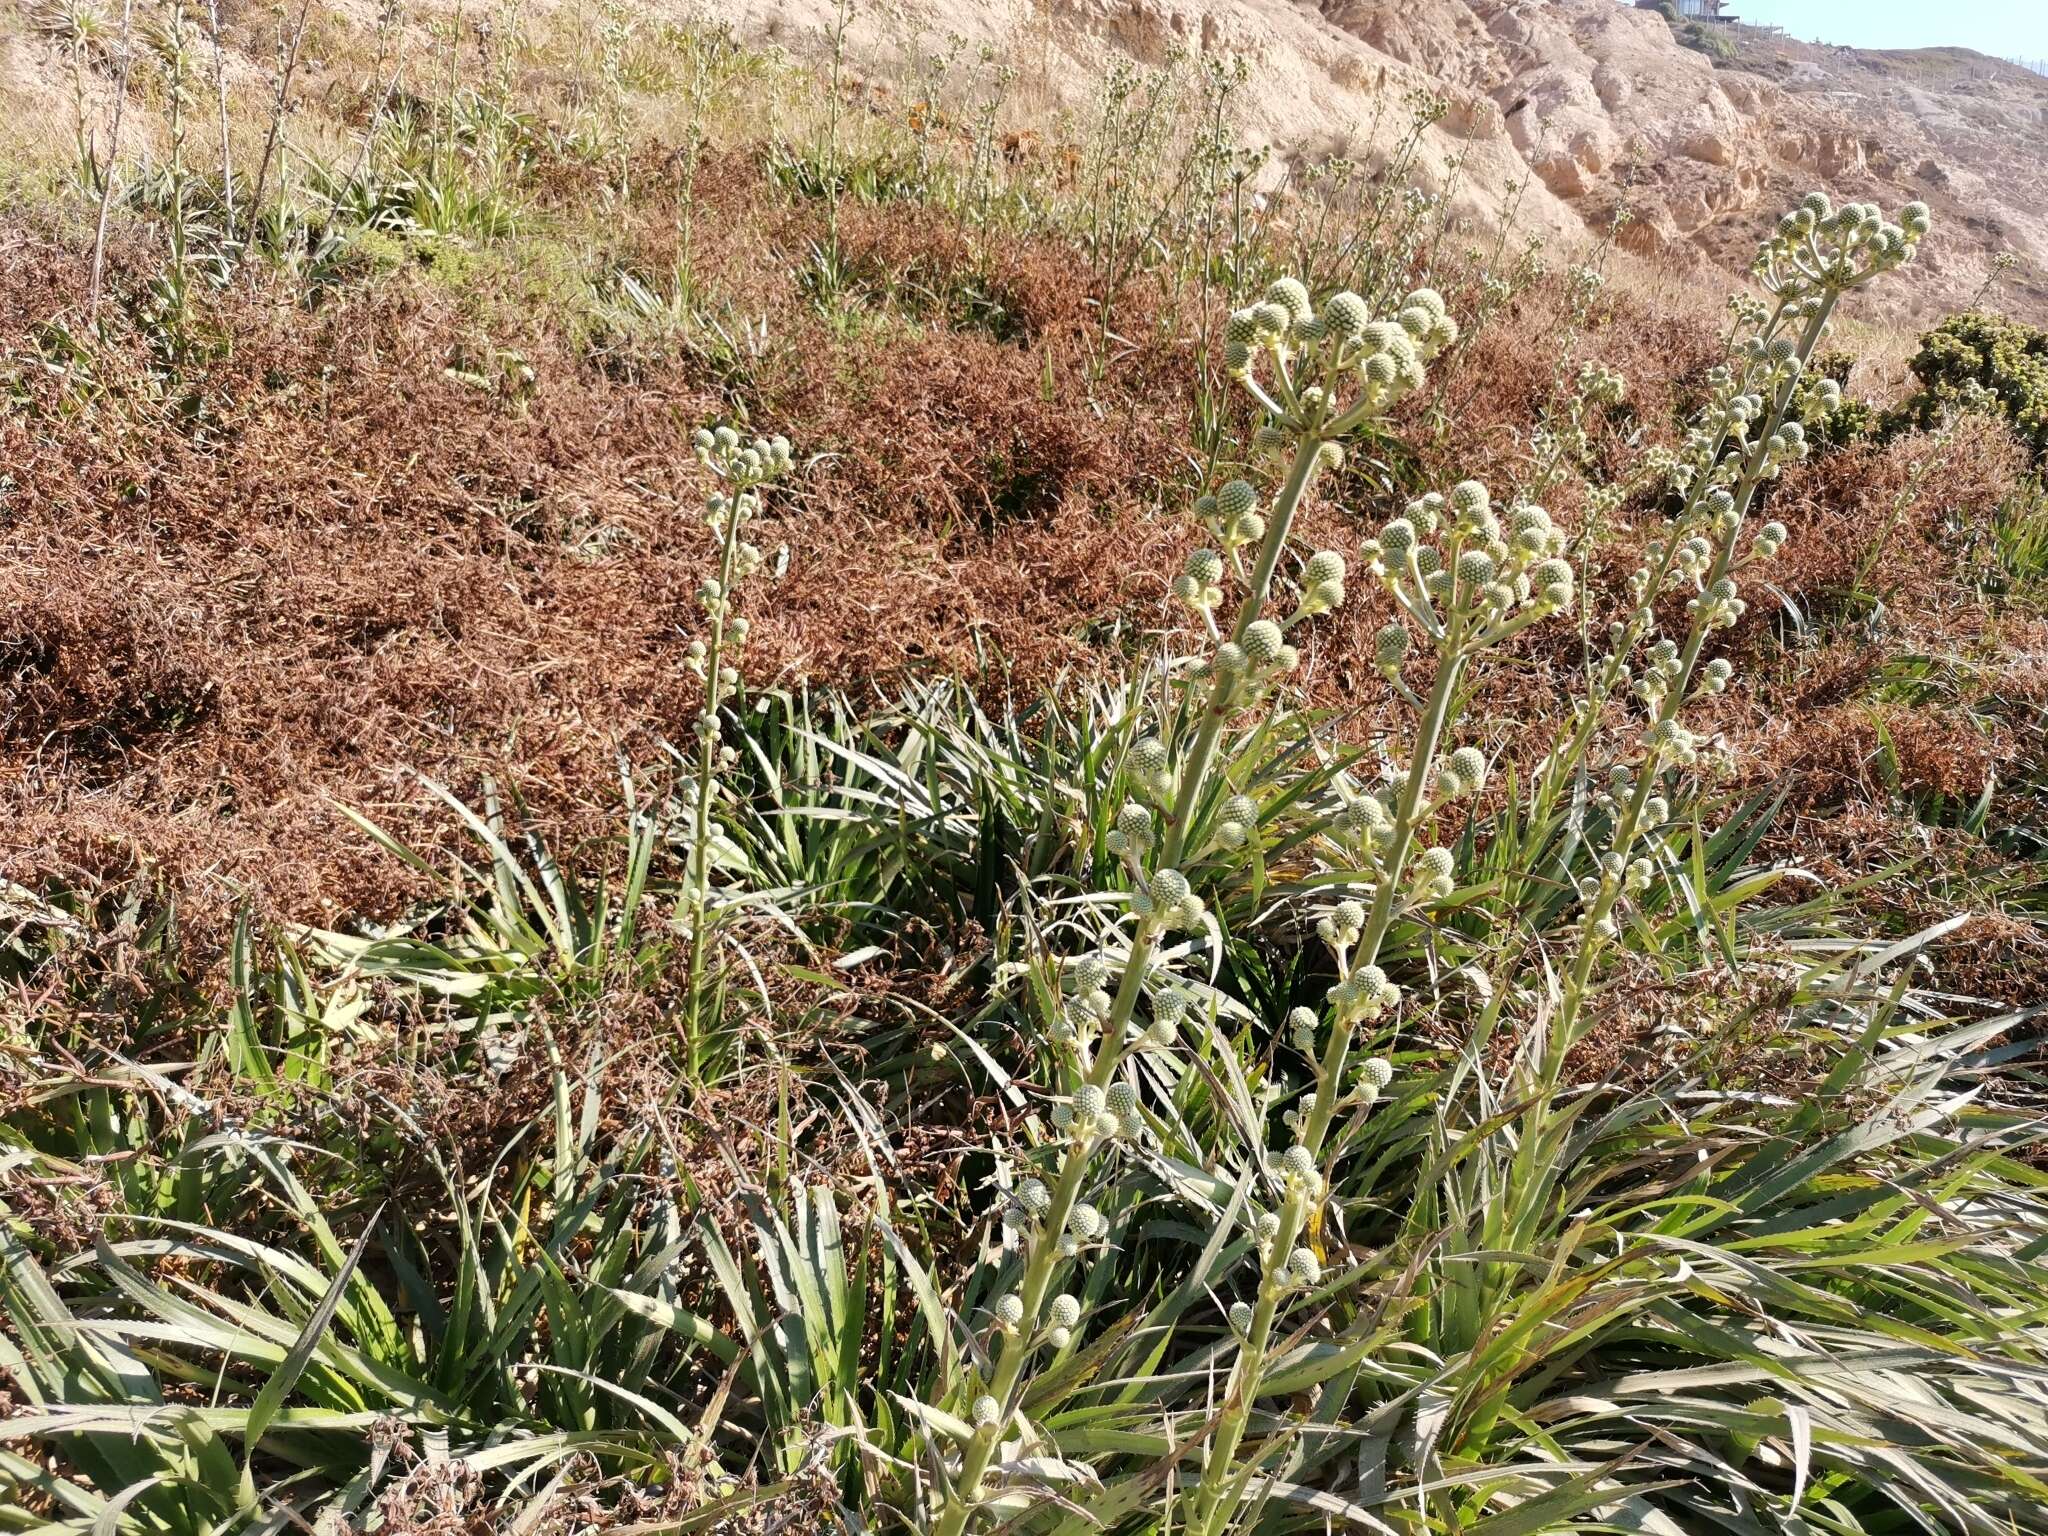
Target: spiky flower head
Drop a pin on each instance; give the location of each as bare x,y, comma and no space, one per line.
1148,757
1390,647
1345,314
1305,1266
1262,642
1240,1318
1469,766
1010,1310
1324,566
1378,1071
1290,295
988,1413
1064,1311
1234,498
1134,825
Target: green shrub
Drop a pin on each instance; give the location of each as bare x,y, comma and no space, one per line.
1986,359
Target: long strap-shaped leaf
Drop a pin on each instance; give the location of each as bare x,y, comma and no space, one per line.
275,1390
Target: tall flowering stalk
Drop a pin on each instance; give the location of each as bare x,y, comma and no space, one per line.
1465,576
1324,376
1750,430
743,470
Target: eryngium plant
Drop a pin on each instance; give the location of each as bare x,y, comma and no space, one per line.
1751,428
1465,576
743,470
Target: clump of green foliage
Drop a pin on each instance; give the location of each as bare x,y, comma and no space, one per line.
1988,360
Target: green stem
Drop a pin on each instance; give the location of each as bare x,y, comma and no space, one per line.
1040,1264
1209,1507
707,765
1018,1347
1222,697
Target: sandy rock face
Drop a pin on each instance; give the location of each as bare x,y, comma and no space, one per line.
1592,102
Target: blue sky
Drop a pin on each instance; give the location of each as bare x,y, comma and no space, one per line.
2006,28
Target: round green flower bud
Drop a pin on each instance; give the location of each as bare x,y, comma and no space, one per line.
1469,498
1059,1338
1242,327
1326,565
1063,1311
1426,298
1384,336
1168,888
1475,568
1230,659
1248,529
1206,566
1267,1227
1305,1266
1240,1318
1469,764
1273,319
1378,1071
1239,810
1084,1221
1435,863
1288,292
1010,1310
1088,1101
1390,646
1345,314
1148,756
987,1412
1135,823
1302,1020
1299,1162
1262,642
1234,498
1398,537
1380,370
1034,1197
1237,356
1121,1098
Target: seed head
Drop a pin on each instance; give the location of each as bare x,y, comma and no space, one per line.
1148,757
1291,295
1262,642
1325,565
1345,314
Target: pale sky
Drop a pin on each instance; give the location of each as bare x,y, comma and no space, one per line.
2004,28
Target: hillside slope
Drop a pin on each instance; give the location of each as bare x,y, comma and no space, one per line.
1589,103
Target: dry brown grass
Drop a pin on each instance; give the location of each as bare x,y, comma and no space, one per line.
320,564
